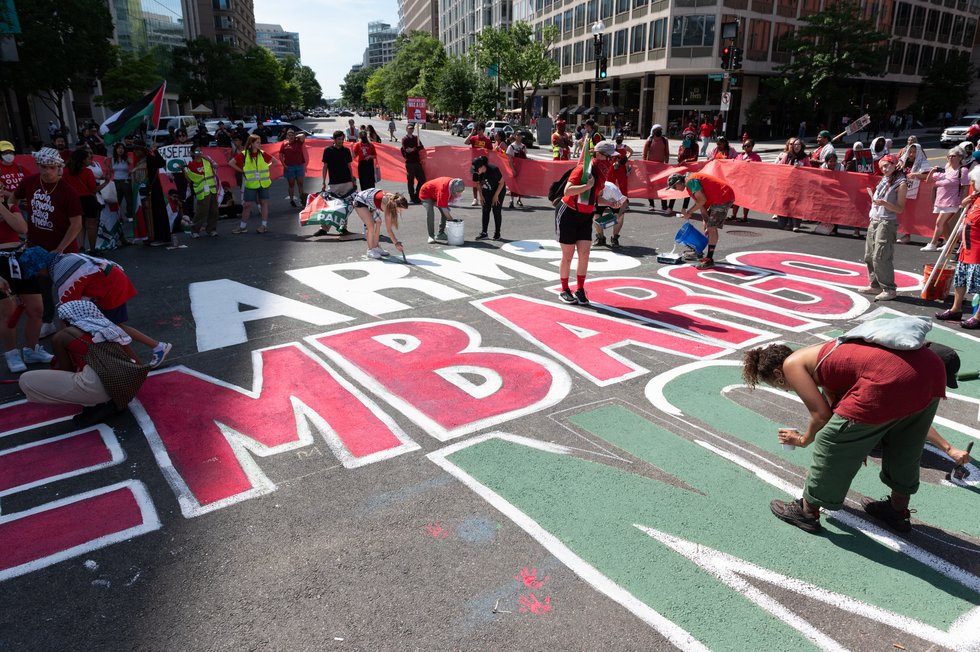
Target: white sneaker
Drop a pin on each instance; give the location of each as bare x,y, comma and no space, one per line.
929,247
887,295
14,362
475,203
374,253
47,330
904,239
37,355
384,253
160,352
432,240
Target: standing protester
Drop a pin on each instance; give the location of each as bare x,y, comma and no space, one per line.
204,184
373,205
590,133
492,192
61,144
337,161
619,176
657,149
11,172
391,127
561,142
222,136
366,157
437,194
81,179
912,160
480,145
795,155
748,154
722,151
373,135
573,220
687,152
824,148
121,167
872,395
950,181
254,164
237,147
966,279
858,159
713,198
411,151
707,132
517,150
351,132
887,201
294,159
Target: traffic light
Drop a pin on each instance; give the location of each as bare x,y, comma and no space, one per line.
726,58
603,62
736,58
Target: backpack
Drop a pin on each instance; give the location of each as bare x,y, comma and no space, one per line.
557,190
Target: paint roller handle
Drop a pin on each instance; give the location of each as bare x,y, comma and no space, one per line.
959,472
968,375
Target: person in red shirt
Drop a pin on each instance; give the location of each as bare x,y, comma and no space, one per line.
618,175
82,180
871,396
11,172
707,132
973,133
713,198
61,144
365,156
573,219
561,142
293,155
437,194
966,279
481,146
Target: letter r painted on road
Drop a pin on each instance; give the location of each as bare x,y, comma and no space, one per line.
438,375
204,432
818,268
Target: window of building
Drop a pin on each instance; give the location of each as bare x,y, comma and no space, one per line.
566,55
619,42
567,21
580,16
223,22
783,33
959,24
622,6
693,31
925,59
903,14
945,28
578,52
589,46
638,39
911,58
969,32
918,24
639,3
809,7
787,8
932,25
592,11
757,48
606,8
223,5
658,34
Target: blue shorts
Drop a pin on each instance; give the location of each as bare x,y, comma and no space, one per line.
252,194
295,171
117,315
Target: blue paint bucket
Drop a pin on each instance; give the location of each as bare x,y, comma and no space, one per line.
689,235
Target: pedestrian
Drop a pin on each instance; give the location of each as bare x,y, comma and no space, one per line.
94,367
11,172
222,136
915,164
80,178
858,159
254,165
748,154
966,279
411,150
823,149
618,175
492,192
516,151
109,232
722,150
951,181
103,282
391,127
707,130
204,184
794,154
480,145
887,202
366,157
373,206
561,142
373,135
871,395
687,152
122,164
337,160
350,134
713,198
294,158
437,194
656,149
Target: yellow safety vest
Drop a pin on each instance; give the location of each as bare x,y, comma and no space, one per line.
256,175
203,184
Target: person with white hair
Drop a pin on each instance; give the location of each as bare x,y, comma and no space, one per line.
915,164
951,182
657,149
435,194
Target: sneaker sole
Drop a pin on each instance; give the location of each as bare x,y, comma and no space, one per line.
806,527
902,527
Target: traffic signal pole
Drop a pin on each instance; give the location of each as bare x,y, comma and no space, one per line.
731,59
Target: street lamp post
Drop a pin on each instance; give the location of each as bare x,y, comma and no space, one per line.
598,44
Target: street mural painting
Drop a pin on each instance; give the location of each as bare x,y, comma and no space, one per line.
667,518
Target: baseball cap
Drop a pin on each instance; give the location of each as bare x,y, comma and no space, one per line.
6,146
824,134
478,163
951,360
676,177
605,148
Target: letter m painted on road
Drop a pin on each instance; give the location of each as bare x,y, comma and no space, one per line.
204,432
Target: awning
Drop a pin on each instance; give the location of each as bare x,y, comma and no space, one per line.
562,111
611,110
591,111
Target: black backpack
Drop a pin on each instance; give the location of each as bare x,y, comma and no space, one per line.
557,189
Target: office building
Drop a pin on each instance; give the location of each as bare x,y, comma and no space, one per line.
419,16
222,21
274,37
142,24
460,22
381,44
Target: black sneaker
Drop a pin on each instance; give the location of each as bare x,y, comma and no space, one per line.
496,236
292,203
94,414
343,231
320,231
614,242
883,511
793,513
581,298
482,236
567,296
600,241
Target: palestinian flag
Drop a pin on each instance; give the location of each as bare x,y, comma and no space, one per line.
586,197
124,122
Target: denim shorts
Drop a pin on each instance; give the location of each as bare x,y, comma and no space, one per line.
252,194
295,171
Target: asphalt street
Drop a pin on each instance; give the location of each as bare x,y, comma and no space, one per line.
533,492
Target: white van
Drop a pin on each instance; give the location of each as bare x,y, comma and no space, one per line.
185,122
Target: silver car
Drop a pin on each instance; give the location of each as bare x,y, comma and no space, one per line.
956,134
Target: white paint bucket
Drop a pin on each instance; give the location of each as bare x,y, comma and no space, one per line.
455,231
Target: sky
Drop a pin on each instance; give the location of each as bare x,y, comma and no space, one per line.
332,33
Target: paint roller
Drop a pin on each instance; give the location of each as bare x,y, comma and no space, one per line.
959,471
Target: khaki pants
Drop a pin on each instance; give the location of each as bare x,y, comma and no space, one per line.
206,209
879,254
57,387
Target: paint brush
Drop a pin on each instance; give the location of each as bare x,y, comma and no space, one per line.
959,471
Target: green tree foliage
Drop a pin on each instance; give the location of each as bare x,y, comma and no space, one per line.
352,88
209,71
414,72
485,98
524,63
456,86
946,86
309,88
831,47
265,84
374,90
131,78
63,44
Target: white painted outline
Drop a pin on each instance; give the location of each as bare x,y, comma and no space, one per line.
735,258
600,260
473,269
589,573
637,369
456,376
694,309
241,445
148,513
116,456
561,382
859,303
41,424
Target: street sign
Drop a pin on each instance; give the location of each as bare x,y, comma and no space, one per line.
726,101
733,81
716,76
858,125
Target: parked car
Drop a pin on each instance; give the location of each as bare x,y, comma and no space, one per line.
162,135
956,134
457,128
275,127
508,129
346,114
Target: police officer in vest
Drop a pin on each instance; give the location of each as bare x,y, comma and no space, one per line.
254,164
204,185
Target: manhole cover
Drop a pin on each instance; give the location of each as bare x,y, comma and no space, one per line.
742,234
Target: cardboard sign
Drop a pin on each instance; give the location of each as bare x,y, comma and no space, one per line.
415,110
176,157
858,125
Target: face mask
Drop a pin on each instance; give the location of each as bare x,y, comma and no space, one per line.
7,158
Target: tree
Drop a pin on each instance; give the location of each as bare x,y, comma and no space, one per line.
523,62
419,59
265,87
352,89
485,97
374,90
209,71
946,86
309,88
63,44
130,80
832,47
456,86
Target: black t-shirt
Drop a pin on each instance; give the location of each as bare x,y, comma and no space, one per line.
337,161
490,179
223,138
